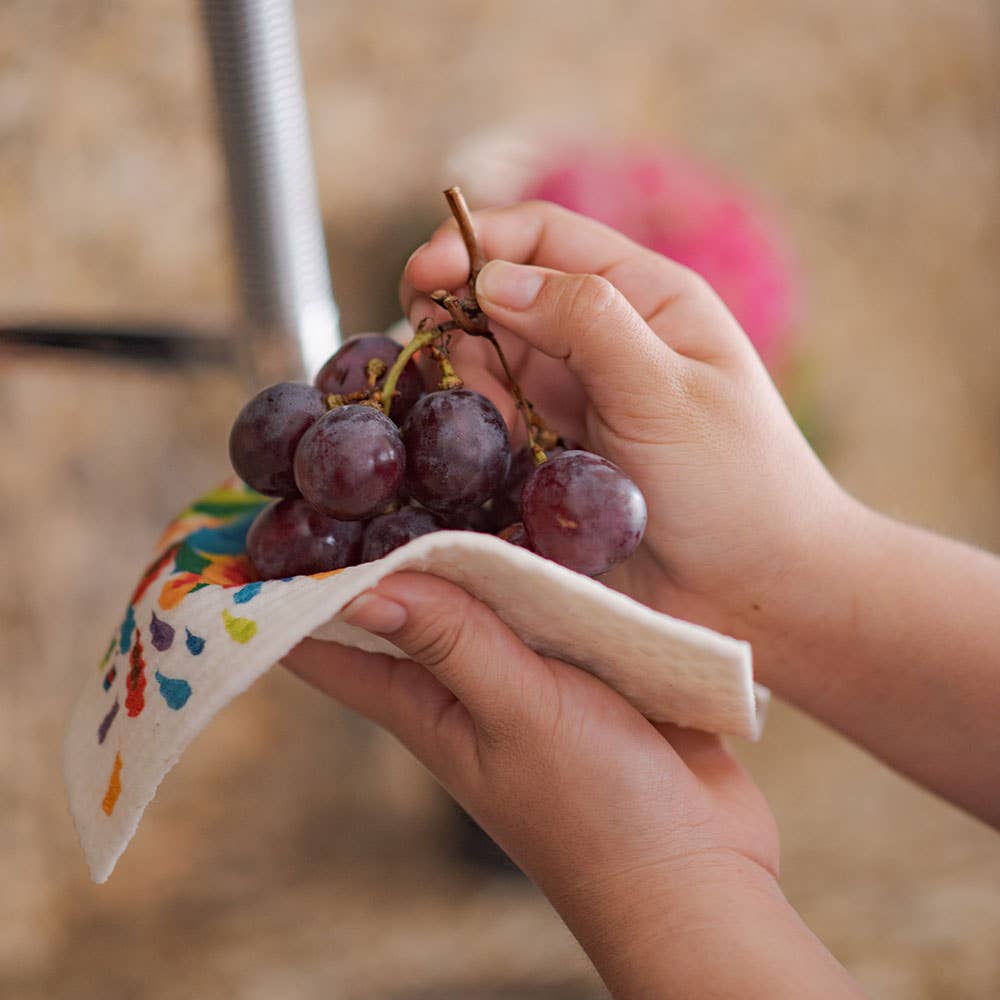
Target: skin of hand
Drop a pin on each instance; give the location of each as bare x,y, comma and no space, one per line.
636,358
883,631
651,842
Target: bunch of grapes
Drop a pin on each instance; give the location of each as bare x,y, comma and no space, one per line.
364,460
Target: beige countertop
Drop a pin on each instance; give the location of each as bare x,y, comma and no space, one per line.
871,131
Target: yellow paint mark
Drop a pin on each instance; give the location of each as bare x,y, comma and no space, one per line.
114,787
239,629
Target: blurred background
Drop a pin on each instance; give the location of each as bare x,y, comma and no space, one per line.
295,852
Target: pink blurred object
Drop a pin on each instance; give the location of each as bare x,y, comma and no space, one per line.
682,210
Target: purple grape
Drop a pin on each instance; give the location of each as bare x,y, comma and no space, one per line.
350,463
389,531
582,511
289,538
457,450
345,372
473,519
516,535
266,433
507,502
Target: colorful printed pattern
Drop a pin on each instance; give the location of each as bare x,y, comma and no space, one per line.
204,547
198,632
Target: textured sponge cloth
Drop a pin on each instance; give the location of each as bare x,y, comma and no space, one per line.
198,631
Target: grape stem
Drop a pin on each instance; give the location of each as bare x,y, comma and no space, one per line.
467,314
424,337
449,377
459,209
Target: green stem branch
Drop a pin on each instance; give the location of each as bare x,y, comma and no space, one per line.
424,337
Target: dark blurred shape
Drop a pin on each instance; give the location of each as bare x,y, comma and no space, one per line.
477,848
150,344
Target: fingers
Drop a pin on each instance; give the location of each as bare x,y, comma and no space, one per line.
624,368
398,695
461,643
531,232
678,305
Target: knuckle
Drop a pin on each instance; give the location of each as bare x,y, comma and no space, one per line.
540,207
434,637
587,298
691,284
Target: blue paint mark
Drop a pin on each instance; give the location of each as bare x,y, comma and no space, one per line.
109,678
175,691
194,643
102,729
226,539
247,593
162,633
128,627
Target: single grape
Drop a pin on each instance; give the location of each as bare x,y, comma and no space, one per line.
516,535
350,463
472,519
345,372
266,433
389,531
507,502
289,537
457,450
582,511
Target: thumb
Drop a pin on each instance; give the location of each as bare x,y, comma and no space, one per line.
463,645
583,319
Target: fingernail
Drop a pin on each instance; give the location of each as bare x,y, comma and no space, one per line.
515,286
374,613
415,253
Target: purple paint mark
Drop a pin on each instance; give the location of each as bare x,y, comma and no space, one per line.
109,678
102,729
162,634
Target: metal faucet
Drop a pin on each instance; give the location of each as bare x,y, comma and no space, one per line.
289,324
291,318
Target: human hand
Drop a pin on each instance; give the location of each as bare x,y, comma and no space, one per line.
635,357
651,842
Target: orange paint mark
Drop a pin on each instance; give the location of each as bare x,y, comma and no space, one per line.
114,787
177,588
229,571
325,574
152,571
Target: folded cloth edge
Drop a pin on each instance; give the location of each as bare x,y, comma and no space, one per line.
670,669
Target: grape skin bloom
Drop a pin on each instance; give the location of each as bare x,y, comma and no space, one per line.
350,463
345,372
390,531
289,538
582,511
266,433
457,450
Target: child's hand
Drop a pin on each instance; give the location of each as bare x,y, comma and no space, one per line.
635,357
652,842
885,632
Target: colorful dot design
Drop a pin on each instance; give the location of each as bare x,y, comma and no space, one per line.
204,547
